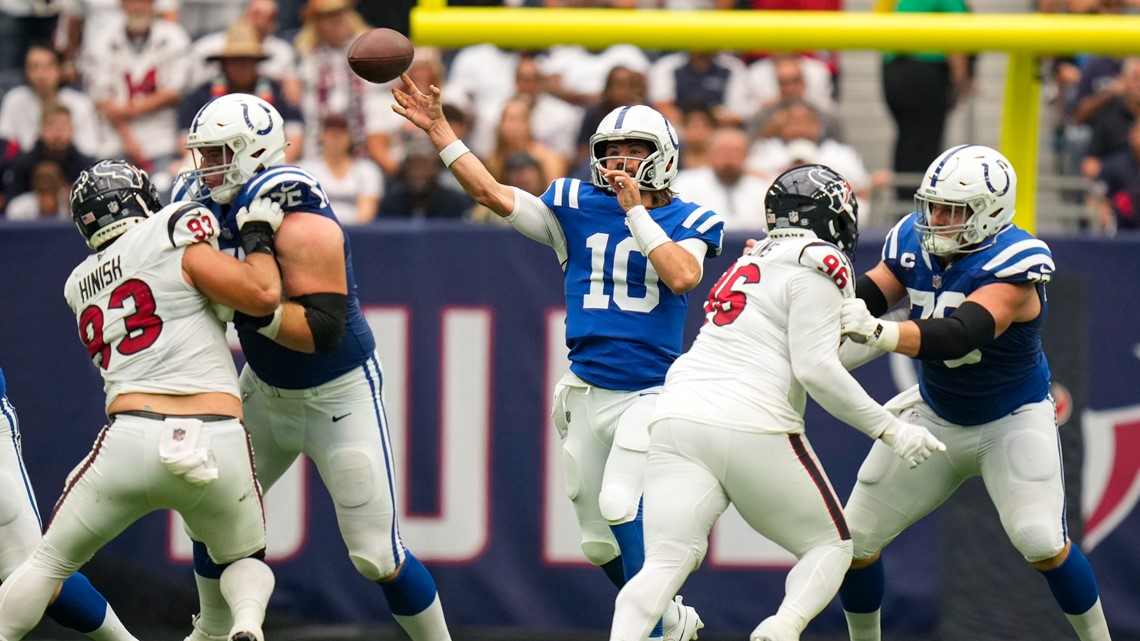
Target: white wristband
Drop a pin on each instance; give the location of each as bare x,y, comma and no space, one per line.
645,230
886,336
452,152
274,326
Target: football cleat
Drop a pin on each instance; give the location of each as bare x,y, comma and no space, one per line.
688,623
247,635
199,635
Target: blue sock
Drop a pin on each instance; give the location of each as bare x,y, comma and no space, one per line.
862,590
631,540
615,570
1073,584
79,606
204,566
412,591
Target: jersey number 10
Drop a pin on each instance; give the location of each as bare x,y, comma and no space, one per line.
596,298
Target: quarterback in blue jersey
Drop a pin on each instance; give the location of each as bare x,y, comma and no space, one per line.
78,605
312,381
976,284
630,251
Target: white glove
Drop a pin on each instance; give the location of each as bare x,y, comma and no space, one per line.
264,210
856,323
911,442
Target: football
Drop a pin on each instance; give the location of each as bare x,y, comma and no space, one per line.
380,55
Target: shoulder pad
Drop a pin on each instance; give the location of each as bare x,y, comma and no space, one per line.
189,223
832,263
291,187
1024,260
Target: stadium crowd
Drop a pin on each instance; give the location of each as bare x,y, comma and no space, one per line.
85,80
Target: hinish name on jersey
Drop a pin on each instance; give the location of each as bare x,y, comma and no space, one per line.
103,275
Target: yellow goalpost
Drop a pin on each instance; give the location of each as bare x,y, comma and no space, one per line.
1024,37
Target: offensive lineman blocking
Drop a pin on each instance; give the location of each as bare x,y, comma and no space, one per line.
976,284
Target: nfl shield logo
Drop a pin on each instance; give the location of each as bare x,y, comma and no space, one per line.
179,434
937,281
567,416
113,207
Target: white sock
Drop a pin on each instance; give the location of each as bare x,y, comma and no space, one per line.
214,619
112,629
1091,625
428,625
247,585
864,626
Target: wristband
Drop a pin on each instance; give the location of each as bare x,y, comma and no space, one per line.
256,238
645,230
267,325
885,337
452,152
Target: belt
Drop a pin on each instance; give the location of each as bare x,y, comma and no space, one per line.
156,416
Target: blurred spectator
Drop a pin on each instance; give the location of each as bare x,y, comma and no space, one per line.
22,107
723,186
799,140
1118,187
829,59
328,85
86,21
579,76
719,80
1112,123
520,170
484,75
393,133
238,61
136,74
514,135
55,143
280,59
920,90
49,197
623,87
201,17
696,127
29,23
553,121
416,191
9,151
391,14
353,184
789,74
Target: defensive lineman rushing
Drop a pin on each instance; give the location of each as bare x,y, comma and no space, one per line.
729,425
629,258
79,605
977,303
312,380
175,439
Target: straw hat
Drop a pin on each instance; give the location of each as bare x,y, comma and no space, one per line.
241,42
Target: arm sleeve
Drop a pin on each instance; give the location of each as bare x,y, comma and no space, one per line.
813,339
970,327
866,289
536,221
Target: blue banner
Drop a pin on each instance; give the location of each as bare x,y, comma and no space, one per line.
469,327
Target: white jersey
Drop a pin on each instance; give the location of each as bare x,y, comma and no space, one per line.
146,328
772,330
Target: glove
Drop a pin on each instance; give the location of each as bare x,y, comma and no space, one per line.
256,225
264,210
856,323
911,442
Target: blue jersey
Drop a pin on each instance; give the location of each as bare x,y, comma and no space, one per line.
3,385
295,190
623,326
990,382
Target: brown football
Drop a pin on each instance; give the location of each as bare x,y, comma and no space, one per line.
379,55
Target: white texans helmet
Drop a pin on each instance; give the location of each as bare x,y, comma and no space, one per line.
250,132
979,187
637,122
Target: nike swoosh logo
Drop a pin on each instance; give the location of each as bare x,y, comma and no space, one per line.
1019,411
337,418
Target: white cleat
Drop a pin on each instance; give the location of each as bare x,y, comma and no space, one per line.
199,635
688,623
773,629
247,635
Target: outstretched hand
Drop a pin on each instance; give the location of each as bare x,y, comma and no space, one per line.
423,110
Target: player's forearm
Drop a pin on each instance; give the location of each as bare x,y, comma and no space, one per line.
477,181
841,396
294,332
676,267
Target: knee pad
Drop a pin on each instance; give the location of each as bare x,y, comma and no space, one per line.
618,501
351,481
599,552
1037,541
374,565
677,554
